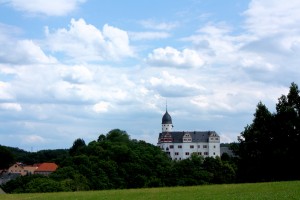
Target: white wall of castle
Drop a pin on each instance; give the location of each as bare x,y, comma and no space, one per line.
180,151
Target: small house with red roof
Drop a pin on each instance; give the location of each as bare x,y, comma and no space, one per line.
46,168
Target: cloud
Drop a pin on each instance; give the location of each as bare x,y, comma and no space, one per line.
166,26
272,16
101,107
50,8
33,139
148,35
171,57
84,42
171,86
232,97
11,106
216,44
5,91
76,74
21,51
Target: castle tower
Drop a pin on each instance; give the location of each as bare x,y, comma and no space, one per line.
166,122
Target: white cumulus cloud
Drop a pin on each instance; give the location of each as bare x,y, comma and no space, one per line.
171,57
50,8
84,42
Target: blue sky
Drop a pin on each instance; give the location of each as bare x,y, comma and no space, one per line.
78,68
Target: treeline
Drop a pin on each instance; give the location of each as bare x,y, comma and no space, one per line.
10,155
115,161
268,150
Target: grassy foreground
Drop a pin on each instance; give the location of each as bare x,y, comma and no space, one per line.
273,190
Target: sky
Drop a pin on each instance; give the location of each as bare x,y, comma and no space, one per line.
74,69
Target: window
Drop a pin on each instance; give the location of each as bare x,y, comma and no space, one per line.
206,153
191,146
199,153
198,146
176,153
187,153
214,153
171,146
214,146
179,146
216,138
205,146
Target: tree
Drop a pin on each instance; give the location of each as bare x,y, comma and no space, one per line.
287,134
6,158
77,147
269,147
254,148
117,135
43,184
101,138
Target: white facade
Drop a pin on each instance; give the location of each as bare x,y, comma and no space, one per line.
182,144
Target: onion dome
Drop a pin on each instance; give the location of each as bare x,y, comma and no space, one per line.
166,118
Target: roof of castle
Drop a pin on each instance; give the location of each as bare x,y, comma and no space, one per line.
197,136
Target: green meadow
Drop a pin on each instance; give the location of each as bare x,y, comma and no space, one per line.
271,190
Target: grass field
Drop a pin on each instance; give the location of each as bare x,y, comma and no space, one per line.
273,190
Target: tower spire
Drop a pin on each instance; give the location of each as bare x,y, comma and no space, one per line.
166,105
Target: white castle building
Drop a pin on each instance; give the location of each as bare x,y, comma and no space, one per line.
182,144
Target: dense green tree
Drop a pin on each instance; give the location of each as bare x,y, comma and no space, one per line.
117,135
254,147
42,184
269,147
287,134
101,138
78,147
6,157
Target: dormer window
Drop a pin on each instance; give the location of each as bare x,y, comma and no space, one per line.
187,138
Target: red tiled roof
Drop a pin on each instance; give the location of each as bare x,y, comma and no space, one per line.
47,167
